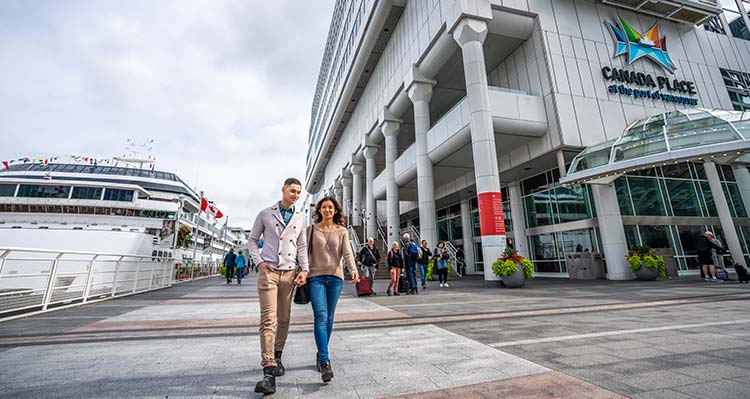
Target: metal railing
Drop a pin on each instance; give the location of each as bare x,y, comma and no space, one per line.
354,239
33,279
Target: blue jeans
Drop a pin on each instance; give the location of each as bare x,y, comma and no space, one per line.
411,275
324,295
240,274
423,273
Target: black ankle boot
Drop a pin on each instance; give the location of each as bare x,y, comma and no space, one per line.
280,370
267,386
325,372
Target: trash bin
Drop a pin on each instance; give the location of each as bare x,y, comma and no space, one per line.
585,266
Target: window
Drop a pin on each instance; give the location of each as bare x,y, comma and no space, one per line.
714,25
43,191
7,190
93,193
735,20
112,194
738,87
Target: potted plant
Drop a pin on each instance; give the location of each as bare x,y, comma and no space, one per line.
646,264
513,268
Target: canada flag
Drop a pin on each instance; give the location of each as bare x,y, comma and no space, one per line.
206,205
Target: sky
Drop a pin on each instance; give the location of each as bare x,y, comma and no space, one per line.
223,87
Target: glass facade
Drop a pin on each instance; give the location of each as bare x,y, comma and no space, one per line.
449,223
676,190
547,203
738,88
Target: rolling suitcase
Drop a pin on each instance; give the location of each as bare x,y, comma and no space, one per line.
364,287
403,284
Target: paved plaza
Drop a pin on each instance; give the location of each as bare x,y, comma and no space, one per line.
552,339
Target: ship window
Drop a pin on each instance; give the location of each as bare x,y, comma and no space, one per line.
87,193
71,209
88,210
119,211
7,190
112,194
43,191
6,208
102,211
54,208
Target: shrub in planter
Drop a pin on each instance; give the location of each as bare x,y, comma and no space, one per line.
644,257
509,264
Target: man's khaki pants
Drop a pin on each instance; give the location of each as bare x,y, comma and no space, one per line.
275,294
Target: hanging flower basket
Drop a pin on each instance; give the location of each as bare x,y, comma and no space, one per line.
513,269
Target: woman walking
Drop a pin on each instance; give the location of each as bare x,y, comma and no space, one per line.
441,264
328,245
395,265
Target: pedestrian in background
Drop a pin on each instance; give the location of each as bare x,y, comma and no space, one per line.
424,262
395,265
240,261
229,264
441,264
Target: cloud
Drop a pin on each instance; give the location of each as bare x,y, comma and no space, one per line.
223,87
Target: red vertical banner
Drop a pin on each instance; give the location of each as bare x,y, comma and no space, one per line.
491,219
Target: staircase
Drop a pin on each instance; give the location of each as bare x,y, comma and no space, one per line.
415,236
357,245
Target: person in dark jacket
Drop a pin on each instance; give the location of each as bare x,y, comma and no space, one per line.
229,263
369,256
424,261
410,254
704,245
395,265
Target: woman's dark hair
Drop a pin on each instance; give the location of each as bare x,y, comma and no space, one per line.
441,243
338,214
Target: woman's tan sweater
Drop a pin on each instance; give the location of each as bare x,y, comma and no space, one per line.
326,249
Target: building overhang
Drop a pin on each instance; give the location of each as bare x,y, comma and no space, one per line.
692,12
694,135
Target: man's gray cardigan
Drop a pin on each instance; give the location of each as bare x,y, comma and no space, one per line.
281,244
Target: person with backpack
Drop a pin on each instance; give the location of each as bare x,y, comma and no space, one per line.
424,262
229,264
369,256
410,254
240,262
395,264
441,264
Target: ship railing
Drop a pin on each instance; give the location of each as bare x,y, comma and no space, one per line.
36,280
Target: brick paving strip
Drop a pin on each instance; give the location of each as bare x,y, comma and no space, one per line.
217,327
536,386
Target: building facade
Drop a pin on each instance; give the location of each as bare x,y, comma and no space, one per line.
459,119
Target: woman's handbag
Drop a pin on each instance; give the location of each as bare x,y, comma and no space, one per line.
302,295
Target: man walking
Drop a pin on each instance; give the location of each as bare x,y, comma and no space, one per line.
410,254
230,260
240,262
424,262
284,244
704,245
369,256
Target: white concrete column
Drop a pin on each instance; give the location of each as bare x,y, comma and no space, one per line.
519,219
560,163
731,240
346,182
390,131
468,236
338,192
420,94
371,210
356,208
742,176
470,34
614,245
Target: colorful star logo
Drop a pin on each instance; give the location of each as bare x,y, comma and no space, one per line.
629,41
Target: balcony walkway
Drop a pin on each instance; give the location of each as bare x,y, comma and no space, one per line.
555,338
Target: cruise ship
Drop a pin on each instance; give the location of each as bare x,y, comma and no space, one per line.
107,209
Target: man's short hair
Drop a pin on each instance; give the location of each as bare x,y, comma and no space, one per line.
406,236
292,180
